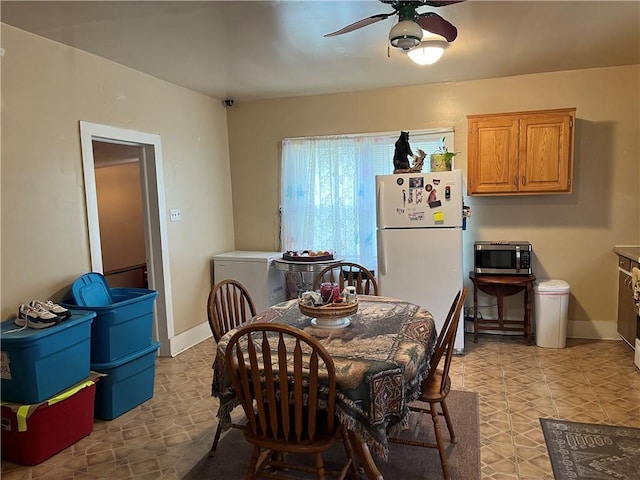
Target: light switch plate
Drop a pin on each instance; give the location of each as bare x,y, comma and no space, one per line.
175,215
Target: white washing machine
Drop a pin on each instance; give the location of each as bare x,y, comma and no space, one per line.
256,271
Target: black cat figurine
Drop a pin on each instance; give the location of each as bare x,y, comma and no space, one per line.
402,152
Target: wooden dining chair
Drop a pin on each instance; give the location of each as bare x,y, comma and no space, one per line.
285,382
436,386
229,305
361,450
348,274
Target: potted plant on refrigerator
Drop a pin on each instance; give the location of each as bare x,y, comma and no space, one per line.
442,160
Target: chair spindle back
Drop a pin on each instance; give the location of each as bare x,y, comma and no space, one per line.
348,274
276,371
229,305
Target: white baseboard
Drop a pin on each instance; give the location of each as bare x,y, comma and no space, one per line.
188,339
600,330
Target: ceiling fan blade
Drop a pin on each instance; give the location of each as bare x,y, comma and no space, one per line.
434,23
361,23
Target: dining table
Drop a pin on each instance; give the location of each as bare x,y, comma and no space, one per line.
381,357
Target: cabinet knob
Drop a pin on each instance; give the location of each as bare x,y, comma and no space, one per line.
524,180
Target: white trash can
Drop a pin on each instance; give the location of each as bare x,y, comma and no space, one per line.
551,301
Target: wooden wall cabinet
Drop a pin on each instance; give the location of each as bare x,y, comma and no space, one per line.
521,153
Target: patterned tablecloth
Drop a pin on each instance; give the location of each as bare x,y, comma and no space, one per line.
380,360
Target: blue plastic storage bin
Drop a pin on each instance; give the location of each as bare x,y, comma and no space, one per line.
129,382
124,316
40,363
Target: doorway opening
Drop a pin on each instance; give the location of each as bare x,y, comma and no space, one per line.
149,158
120,214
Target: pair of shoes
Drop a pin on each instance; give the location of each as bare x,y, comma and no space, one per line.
59,311
35,317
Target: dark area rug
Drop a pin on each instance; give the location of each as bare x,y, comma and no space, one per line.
405,462
587,451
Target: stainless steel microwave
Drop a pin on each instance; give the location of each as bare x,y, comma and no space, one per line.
502,258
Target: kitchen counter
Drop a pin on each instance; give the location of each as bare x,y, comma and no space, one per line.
632,252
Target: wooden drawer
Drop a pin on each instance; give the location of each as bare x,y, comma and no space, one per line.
625,263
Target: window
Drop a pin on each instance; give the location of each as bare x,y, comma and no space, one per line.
328,190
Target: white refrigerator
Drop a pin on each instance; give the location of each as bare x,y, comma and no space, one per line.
419,220
256,271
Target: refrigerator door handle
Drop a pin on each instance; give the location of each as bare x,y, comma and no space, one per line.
380,193
382,257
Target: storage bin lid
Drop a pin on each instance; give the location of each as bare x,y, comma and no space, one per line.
91,289
68,392
552,286
11,334
108,366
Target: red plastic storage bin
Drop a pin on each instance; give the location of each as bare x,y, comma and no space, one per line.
33,433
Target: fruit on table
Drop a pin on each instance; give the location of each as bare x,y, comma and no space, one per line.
310,253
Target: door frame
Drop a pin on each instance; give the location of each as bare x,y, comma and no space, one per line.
153,204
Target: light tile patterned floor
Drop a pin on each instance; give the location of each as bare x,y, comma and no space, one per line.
589,381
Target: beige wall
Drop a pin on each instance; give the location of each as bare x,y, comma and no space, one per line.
573,236
47,88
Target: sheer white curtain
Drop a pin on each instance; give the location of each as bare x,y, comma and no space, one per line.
328,191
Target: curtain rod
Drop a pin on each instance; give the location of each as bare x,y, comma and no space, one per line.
432,131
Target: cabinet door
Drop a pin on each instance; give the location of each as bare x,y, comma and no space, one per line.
493,155
546,152
626,314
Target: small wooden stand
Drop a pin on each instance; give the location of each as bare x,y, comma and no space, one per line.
502,286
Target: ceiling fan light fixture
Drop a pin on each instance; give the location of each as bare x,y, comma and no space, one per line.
428,52
405,34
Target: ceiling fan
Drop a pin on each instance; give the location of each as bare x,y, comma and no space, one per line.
407,33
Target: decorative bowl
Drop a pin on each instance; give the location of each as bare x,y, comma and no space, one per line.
332,315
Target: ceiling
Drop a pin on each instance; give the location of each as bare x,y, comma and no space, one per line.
247,50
